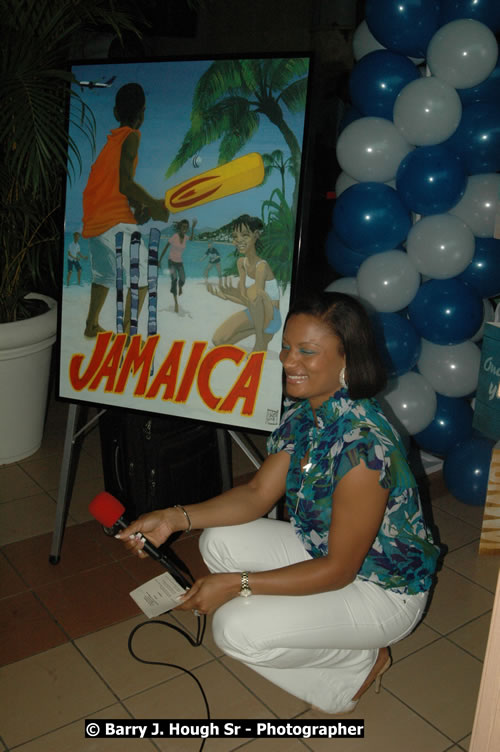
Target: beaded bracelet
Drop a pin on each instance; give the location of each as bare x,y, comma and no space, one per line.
186,515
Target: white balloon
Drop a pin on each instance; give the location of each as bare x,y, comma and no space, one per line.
489,315
440,246
388,281
463,53
371,149
478,206
344,284
427,111
412,400
452,370
364,42
343,182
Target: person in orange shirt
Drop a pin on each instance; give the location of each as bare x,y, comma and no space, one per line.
113,202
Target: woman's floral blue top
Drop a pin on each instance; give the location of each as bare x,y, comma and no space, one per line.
403,555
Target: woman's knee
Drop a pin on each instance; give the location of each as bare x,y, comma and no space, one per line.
210,543
230,630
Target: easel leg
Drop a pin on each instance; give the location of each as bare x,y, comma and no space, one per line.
225,464
63,497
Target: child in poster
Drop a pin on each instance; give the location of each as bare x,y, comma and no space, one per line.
113,201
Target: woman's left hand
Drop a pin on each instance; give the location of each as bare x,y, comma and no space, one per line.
210,592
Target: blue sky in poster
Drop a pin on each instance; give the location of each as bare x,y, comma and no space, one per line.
169,88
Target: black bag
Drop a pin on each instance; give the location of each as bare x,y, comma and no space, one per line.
153,461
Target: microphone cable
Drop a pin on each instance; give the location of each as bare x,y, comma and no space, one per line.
196,642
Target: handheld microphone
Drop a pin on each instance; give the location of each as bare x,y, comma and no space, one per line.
107,510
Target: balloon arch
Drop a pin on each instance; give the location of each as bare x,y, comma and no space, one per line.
414,221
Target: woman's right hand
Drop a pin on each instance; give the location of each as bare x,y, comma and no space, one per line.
156,526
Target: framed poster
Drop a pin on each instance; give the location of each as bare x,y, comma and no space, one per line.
180,236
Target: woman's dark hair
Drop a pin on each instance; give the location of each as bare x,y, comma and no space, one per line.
245,220
348,320
129,102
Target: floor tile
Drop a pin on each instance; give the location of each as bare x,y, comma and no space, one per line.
441,684
180,698
81,552
26,628
107,651
481,569
470,514
48,474
10,581
465,743
390,726
141,570
455,602
58,686
453,532
421,636
282,704
474,636
90,600
275,745
24,518
71,738
15,483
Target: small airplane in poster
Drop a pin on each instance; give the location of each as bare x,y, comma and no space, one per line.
97,84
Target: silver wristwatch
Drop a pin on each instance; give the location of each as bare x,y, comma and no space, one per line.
245,587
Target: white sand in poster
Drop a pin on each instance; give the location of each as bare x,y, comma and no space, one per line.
199,315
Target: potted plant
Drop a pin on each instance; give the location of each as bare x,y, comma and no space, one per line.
36,156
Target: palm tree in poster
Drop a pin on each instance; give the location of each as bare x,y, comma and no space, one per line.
277,161
231,96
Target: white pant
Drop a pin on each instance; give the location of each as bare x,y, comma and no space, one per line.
318,647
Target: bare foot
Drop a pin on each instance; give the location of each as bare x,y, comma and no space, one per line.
92,330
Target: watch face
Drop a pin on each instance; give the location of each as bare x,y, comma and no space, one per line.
245,592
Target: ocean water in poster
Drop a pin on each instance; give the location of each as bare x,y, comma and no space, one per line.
183,315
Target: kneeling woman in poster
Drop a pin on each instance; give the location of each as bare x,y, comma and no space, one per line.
257,289
329,591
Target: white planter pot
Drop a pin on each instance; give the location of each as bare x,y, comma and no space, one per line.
25,354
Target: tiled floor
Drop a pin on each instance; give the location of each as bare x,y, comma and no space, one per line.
64,632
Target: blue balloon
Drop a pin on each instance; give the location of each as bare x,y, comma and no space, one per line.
377,79
451,424
477,138
398,343
485,11
446,311
483,272
466,470
404,26
349,116
343,259
431,179
486,91
370,217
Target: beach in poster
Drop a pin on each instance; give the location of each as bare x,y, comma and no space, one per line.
208,350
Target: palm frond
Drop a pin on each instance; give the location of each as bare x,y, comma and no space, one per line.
295,95
230,117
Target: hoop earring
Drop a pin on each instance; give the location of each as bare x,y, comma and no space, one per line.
342,381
